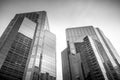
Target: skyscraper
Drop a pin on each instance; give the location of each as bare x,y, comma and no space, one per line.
66,66
91,55
28,48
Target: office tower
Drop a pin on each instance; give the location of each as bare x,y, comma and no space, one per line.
90,60
91,55
66,66
28,48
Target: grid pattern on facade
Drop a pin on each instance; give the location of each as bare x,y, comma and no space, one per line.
77,35
93,61
73,34
89,61
48,57
32,16
15,61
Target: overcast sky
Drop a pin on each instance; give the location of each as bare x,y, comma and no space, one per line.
63,14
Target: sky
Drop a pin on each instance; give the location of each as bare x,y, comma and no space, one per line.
62,14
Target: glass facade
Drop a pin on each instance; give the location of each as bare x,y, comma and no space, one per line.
66,65
98,58
15,62
17,56
28,48
49,54
93,68
77,34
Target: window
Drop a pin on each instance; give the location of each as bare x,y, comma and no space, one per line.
8,58
31,63
17,56
19,60
14,58
14,45
24,62
28,76
37,61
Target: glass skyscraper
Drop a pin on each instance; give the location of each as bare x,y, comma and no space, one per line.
28,48
91,56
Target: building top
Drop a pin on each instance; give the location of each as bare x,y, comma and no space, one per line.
79,27
33,12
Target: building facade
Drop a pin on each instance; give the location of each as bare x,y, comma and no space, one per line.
98,60
66,66
28,48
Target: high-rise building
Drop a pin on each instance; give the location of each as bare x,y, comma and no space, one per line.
91,56
91,63
28,48
66,66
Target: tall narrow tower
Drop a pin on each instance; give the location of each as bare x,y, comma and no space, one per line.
28,48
